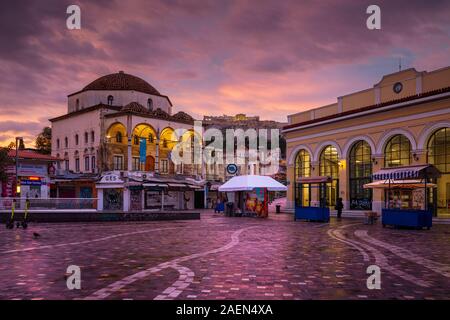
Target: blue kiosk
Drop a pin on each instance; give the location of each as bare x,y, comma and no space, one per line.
319,213
407,195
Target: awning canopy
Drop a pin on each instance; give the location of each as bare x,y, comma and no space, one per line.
404,184
308,180
250,182
153,185
407,172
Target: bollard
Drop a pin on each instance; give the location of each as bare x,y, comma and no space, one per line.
10,223
24,222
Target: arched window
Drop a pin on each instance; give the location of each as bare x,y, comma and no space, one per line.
77,162
86,137
57,143
93,164
119,137
397,151
110,100
77,104
66,142
92,136
302,169
439,150
150,137
136,140
76,139
329,166
360,173
150,104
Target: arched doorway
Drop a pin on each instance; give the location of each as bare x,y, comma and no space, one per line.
439,155
329,167
360,173
150,163
397,151
302,169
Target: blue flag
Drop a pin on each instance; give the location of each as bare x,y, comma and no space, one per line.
142,149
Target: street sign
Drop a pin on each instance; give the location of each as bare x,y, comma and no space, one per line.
232,168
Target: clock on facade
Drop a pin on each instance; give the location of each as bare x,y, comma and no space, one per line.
397,87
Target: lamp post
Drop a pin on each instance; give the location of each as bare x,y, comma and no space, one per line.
17,162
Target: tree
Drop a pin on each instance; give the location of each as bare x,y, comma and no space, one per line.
5,160
44,141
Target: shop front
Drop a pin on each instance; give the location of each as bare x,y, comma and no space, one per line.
408,193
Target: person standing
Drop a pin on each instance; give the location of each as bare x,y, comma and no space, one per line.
339,206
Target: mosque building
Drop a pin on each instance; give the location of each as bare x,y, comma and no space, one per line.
115,142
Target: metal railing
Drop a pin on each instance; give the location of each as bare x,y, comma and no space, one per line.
49,203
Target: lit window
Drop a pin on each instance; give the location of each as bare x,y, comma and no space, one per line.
329,166
439,150
360,171
302,169
397,151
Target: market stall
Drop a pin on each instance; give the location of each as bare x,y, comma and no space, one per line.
408,195
249,193
321,212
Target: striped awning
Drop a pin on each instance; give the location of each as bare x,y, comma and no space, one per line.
407,172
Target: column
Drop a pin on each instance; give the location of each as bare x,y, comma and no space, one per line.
126,199
99,199
377,194
343,183
290,196
157,154
129,134
315,201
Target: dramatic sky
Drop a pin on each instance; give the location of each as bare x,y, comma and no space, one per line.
267,58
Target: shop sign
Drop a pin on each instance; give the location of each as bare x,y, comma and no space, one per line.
32,169
111,178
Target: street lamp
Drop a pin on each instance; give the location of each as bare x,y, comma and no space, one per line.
18,139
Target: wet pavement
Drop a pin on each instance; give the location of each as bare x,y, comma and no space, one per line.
224,258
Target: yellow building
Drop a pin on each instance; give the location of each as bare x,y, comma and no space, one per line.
403,120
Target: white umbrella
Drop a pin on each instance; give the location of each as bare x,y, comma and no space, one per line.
248,183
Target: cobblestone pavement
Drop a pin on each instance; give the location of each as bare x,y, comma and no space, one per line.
224,258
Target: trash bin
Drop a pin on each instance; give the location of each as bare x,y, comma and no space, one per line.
278,208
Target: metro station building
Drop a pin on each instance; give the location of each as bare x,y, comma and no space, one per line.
403,120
